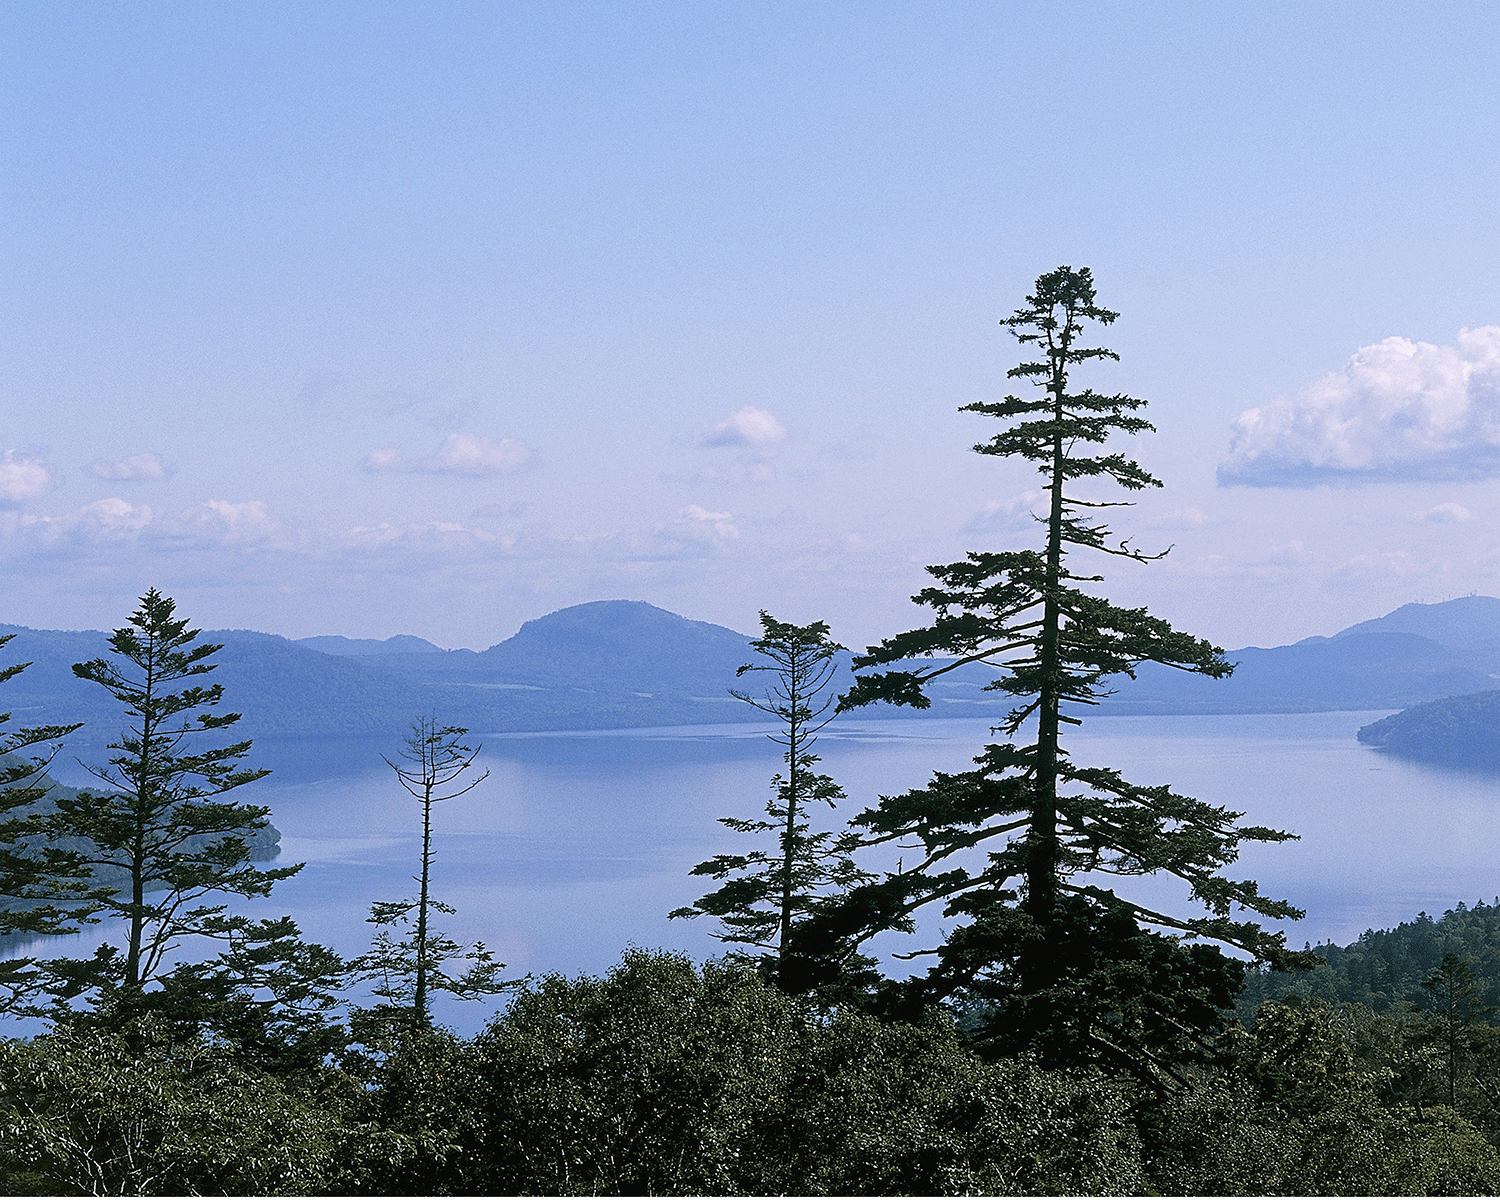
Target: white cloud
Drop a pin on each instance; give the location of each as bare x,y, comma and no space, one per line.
24,478
434,537
385,460
102,523
136,466
224,523
460,454
112,520
1383,568
1448,514
471,454
1004,514
1400,410
696,532
747,427
701,523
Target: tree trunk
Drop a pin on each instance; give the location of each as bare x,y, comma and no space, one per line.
420,1000
789,835
1038,968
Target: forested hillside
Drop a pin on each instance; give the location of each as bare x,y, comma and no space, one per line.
1387,969
1457,731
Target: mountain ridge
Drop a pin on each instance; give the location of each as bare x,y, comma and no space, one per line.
629,664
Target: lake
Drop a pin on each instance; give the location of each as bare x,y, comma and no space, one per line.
578,844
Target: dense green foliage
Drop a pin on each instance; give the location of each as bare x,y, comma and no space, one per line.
1302,1106
110,1114
667,1078
1386,970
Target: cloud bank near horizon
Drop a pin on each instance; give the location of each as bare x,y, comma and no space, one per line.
1400,411
23,477
135,466
460,454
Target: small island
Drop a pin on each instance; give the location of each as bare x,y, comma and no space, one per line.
1458,731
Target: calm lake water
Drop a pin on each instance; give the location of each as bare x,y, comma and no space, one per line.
578,844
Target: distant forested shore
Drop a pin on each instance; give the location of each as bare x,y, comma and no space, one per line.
1455,731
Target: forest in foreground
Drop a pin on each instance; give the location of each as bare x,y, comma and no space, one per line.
1052,1037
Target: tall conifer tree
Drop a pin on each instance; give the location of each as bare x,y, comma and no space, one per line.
1021,849
766,893
161,822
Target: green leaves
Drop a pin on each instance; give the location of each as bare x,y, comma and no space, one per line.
1295,1107
97,1113
661,1078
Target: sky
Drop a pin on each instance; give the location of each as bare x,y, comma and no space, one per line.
375,318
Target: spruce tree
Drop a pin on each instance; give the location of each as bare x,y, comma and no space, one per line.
1021,849
1456,1002
160,838
767,893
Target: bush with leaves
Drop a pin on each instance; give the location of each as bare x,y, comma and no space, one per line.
92,1112
1296,1112
663,1078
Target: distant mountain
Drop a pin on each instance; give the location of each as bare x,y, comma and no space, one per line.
609,647
610,664
402,643
1462,728
1418,653
1468,623
615,664
627,664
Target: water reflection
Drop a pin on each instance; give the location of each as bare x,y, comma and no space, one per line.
579,843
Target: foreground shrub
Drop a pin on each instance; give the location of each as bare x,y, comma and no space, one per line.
99,1113
661,1078
1296,1114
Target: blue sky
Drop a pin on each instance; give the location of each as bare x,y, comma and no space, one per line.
432,318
